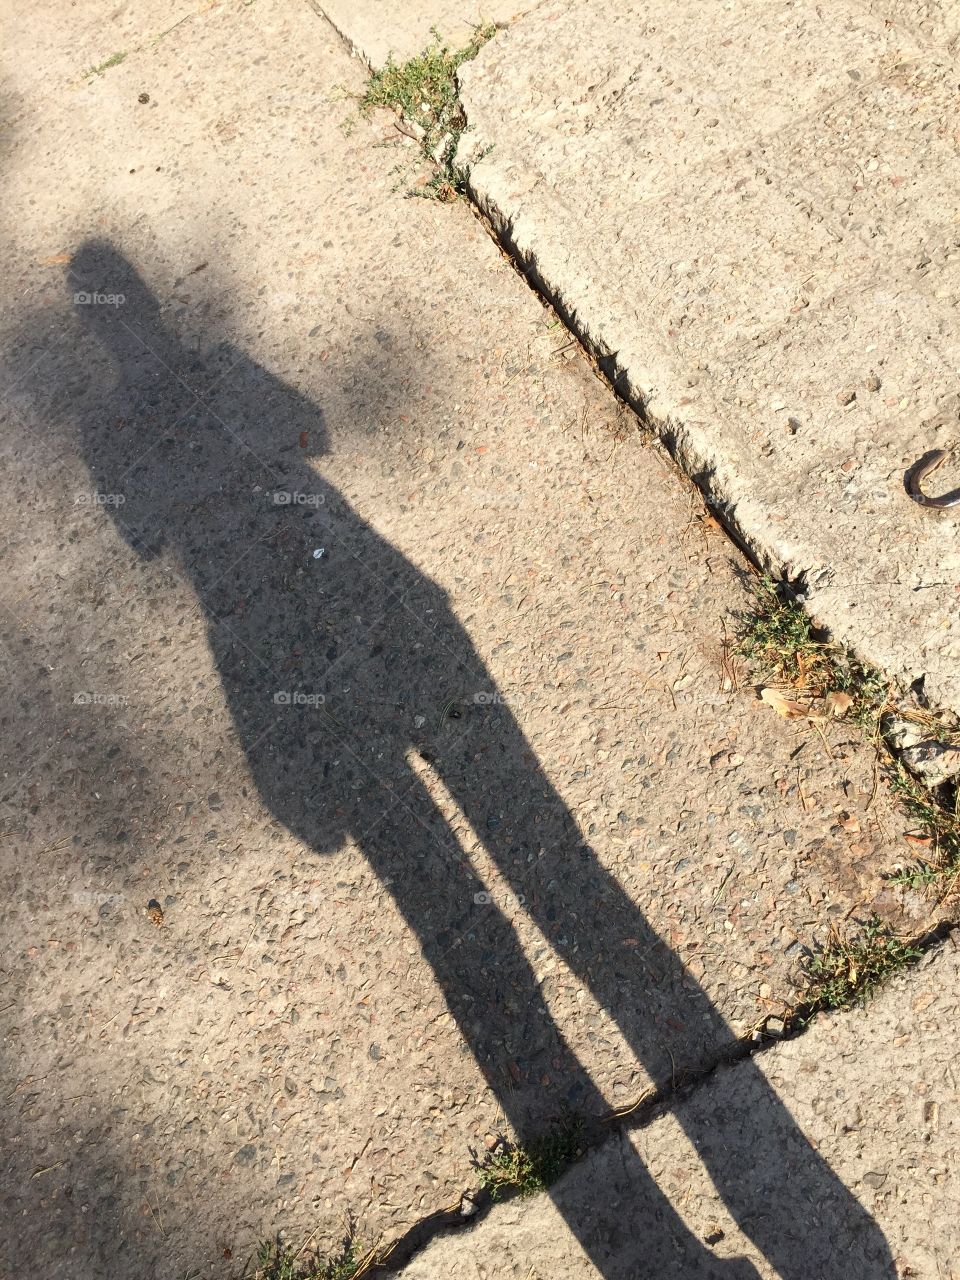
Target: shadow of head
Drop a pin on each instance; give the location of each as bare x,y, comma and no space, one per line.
164,424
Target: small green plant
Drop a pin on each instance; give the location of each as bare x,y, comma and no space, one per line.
113,61
940,821
424,94
277,1260
849,970
533,1167
778,637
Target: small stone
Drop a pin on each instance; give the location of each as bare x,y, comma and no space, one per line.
775,1027
374,1052
246,1155
872,383
875,1180
933,762
902,733
847,396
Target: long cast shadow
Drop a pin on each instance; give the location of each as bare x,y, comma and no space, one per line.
347,675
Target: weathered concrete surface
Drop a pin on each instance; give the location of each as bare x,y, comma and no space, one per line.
750,207
875,1091
377,31
535,847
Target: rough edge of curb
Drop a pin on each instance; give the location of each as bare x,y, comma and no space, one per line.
714,470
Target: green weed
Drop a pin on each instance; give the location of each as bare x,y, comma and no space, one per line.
779,639
940,821
424,94
535,1166
278,1261
849,970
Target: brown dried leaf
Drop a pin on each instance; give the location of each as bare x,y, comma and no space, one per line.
837,703
784,706
920,841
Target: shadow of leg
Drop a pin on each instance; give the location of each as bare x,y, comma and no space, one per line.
494,996
782,1202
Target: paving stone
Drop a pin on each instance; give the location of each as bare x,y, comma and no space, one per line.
873,1091
747,209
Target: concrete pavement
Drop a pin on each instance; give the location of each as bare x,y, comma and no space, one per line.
354,624
875,1091
748,210
407,29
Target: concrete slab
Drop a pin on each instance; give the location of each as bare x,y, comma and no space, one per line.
376,30
874,1091
747,208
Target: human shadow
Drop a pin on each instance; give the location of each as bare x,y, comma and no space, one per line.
350,682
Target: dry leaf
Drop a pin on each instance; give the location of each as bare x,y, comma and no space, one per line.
58,260
838,704
783,706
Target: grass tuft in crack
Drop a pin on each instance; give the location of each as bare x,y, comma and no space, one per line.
940,820
424,93
778,637
533,1167
278,1261
849,970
